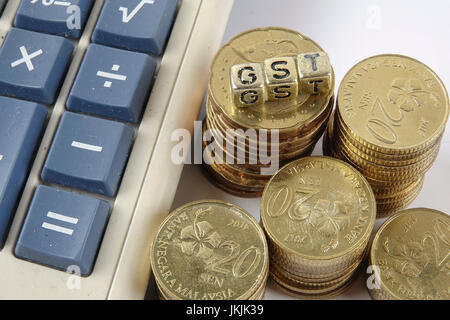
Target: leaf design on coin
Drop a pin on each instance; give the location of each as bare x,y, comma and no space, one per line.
421,260
409,94
330,220
200,239
327,216
409,256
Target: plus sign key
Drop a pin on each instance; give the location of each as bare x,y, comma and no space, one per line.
113,83
32,65
63,18
140,25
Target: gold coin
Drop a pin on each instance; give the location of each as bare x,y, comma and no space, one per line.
378,180
398,163
306,286
236,152
253,146
400,197
298,134
234,175
253,142
295,294
393,104
260,292
320,212
411,250
390,195
209,250
235,189
255,46
387,209
382,173
319,273
312,282
305,292
378,169
339,130
296,272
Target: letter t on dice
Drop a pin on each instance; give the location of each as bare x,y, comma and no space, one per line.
315,72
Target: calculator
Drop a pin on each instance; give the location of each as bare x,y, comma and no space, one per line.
90,94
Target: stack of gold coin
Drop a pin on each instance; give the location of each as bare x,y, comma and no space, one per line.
210,250
390,117
409,257
269,100
318,214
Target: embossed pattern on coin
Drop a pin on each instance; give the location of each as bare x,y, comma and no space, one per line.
318,214
255,46
393,103
210,250
389,121
411,256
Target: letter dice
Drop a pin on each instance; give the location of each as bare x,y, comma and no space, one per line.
315,72
247,85
281,78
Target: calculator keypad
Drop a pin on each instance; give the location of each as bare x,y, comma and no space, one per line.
89,153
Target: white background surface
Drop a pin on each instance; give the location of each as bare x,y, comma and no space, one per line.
349,31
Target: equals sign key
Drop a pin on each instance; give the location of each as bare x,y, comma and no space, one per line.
60,217
62,229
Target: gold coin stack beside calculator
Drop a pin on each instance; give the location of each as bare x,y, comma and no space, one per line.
317,213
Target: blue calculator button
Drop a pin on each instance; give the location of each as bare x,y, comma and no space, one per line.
21,123
32,65
113,83
63,18
141,25
63,229
88,154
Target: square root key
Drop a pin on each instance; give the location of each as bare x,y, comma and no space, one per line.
138,25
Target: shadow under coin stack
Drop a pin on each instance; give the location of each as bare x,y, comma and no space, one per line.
270,98
210,250
318,214
390,117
